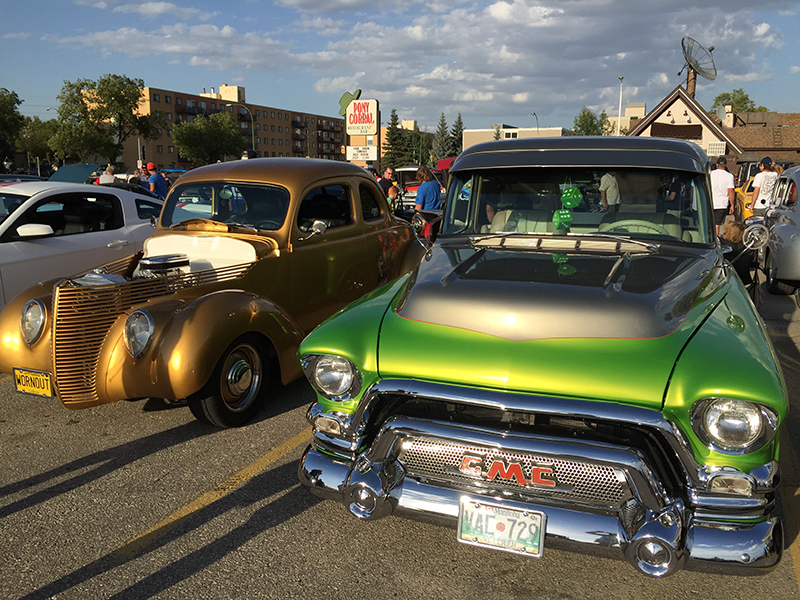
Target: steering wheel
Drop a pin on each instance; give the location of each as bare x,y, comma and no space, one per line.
636,223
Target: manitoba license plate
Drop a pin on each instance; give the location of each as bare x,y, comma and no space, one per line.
494,526
33,382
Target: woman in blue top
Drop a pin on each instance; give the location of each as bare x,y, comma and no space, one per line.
428,194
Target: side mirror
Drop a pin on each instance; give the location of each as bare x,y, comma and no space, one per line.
32,230
317,228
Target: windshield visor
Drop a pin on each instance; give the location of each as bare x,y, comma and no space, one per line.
648,204
260,206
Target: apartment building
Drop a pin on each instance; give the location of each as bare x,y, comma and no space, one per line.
268,130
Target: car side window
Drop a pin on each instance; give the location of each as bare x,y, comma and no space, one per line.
371,202
329,204
791,197
146,209
68,214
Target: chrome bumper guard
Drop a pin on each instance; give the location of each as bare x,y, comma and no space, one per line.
624,513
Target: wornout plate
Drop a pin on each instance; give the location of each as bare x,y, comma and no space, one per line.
33,382
497,526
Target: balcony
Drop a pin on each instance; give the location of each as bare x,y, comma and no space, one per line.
298,136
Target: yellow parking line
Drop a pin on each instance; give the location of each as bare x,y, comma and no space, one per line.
141,541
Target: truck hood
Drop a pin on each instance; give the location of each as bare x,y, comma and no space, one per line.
604,326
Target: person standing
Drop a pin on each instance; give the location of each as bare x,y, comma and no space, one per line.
763,184
609,192
387,180
156,180
108,175
722,192
429,195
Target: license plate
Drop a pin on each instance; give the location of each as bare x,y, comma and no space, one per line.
33,382
500,527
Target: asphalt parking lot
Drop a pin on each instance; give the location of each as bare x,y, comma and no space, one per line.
139,500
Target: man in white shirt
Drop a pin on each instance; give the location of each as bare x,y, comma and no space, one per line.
609,192
763,184
108,175
722,192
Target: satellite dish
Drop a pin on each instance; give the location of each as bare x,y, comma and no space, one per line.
699,61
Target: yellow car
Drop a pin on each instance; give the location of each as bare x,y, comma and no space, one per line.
744,201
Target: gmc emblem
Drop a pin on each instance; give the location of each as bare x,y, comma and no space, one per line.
476,466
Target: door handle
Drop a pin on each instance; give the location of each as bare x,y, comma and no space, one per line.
118,243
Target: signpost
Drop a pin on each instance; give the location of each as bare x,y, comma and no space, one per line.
362,118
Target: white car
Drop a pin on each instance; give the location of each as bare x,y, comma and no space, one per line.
54,229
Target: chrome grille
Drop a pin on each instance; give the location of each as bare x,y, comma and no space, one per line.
588,483
83,315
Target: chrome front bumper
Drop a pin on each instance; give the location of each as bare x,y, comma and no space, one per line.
411,469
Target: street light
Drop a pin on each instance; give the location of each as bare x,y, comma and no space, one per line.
61,124
252,122
533,114
619,113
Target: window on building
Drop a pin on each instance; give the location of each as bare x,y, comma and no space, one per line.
258,113
160,131
287,116
159,148
280,142
280,116
169,116
510,134
258,140
272,114
273,154
156,98
168,99
169,132
273,143
171,149
313,121
273,128
213,106
280,129
203,104
258,126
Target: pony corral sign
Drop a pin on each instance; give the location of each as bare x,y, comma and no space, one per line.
361,117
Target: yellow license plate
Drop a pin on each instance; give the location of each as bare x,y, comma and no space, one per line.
33,382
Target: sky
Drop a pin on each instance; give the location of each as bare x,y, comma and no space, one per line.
492,61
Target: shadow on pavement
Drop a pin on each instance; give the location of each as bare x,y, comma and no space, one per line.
782,318
283,508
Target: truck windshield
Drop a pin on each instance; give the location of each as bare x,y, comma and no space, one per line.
655,204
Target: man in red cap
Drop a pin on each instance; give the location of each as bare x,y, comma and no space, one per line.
157,183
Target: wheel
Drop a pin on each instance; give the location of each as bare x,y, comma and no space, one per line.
774,286
636,223
237,388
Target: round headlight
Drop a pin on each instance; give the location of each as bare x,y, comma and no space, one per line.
334,375
138,332
31,323
732,424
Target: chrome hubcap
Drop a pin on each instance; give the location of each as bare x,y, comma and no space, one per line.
241,377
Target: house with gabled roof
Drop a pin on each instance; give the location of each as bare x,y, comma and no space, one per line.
680,116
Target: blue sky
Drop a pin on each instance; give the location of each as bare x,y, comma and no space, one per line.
494,61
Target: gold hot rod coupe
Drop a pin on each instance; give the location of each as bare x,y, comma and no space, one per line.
247,258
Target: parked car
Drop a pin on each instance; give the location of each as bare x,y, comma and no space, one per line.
50,229
408,185
780,259
546,377
743,208
247,258
78,173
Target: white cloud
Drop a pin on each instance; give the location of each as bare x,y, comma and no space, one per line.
520,98
154,9
794,69
21,35
746,77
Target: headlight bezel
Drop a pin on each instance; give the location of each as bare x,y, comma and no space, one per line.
136,354
768,425
31,340
310,362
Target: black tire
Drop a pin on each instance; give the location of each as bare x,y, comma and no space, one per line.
238,387
775,286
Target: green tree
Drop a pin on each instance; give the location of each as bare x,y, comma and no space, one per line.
496,132
440,148
457,137
207,140
740,100
394,146
96,117
588,123
35,136
11,122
